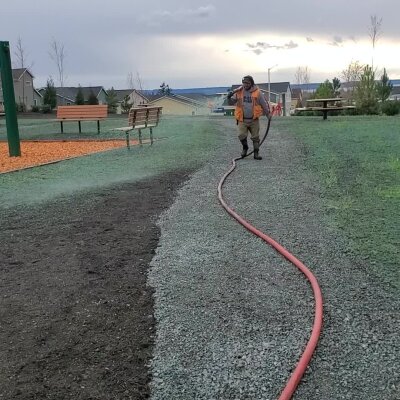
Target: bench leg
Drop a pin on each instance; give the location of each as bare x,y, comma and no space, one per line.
79,123
98,127
325,114
62,127
140,136
127,140
151,136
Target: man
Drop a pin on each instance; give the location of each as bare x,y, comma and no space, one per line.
250,106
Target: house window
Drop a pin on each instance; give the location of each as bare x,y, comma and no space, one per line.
28,83
35,102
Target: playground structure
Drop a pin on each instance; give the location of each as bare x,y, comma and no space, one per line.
9,101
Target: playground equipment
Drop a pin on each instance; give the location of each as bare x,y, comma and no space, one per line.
9,100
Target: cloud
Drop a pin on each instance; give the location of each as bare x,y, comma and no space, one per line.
310,39
186,15
337,41
259,47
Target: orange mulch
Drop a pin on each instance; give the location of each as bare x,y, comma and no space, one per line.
34,153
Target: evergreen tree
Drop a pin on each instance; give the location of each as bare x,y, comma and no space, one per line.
324,90
366,93
126,105
92,99
336,87
164,89
50,95
79,99
112,100
384,87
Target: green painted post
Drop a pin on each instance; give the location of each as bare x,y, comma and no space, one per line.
14,147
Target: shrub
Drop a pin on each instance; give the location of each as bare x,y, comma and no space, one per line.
35,109
46,108
390,107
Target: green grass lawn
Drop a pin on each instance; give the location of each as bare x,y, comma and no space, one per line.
357,160
181,143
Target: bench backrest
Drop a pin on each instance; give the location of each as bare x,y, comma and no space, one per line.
142,117
82,112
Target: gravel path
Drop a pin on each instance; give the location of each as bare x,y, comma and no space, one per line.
233,316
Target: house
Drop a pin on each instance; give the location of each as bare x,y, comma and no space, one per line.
67,95
178,105
395,93
280,94
135,97
24,91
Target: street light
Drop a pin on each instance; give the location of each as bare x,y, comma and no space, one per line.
269,82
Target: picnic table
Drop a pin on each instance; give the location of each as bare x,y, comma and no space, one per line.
326,106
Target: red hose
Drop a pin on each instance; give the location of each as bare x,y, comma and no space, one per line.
298,373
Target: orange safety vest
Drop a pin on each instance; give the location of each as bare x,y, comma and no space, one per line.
257,109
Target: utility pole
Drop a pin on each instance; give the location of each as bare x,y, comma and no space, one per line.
9,100
269,82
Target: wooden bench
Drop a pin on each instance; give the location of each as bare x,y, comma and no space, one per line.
141,118
81,113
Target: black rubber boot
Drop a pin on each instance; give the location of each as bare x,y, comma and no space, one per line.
256,144
245,148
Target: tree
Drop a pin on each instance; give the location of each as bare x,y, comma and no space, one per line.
164,89
384,87
50,94
351,75
57,54
21,55
92,99
336,87
366,93
112,100
79,99
126,104
374,32
324,90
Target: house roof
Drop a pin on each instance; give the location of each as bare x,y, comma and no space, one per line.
176,98
122,93
276,87
17,73
70,93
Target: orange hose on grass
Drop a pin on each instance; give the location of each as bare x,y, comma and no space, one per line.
298,373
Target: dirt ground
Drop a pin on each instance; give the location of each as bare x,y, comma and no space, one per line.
76,316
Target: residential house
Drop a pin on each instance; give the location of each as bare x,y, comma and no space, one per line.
178,105
135,97
23,89
67,95
395,93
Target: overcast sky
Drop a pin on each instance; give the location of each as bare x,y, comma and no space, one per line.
199,43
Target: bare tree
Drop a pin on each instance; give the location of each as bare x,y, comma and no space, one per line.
139,81
130,81
57,54
374,32
302,75
134,82
21,55
350,76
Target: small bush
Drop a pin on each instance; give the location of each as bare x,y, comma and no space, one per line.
46,108
35,109
390,107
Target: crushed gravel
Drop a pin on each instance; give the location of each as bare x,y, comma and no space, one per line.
233,316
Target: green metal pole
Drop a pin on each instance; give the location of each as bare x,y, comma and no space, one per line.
14,147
